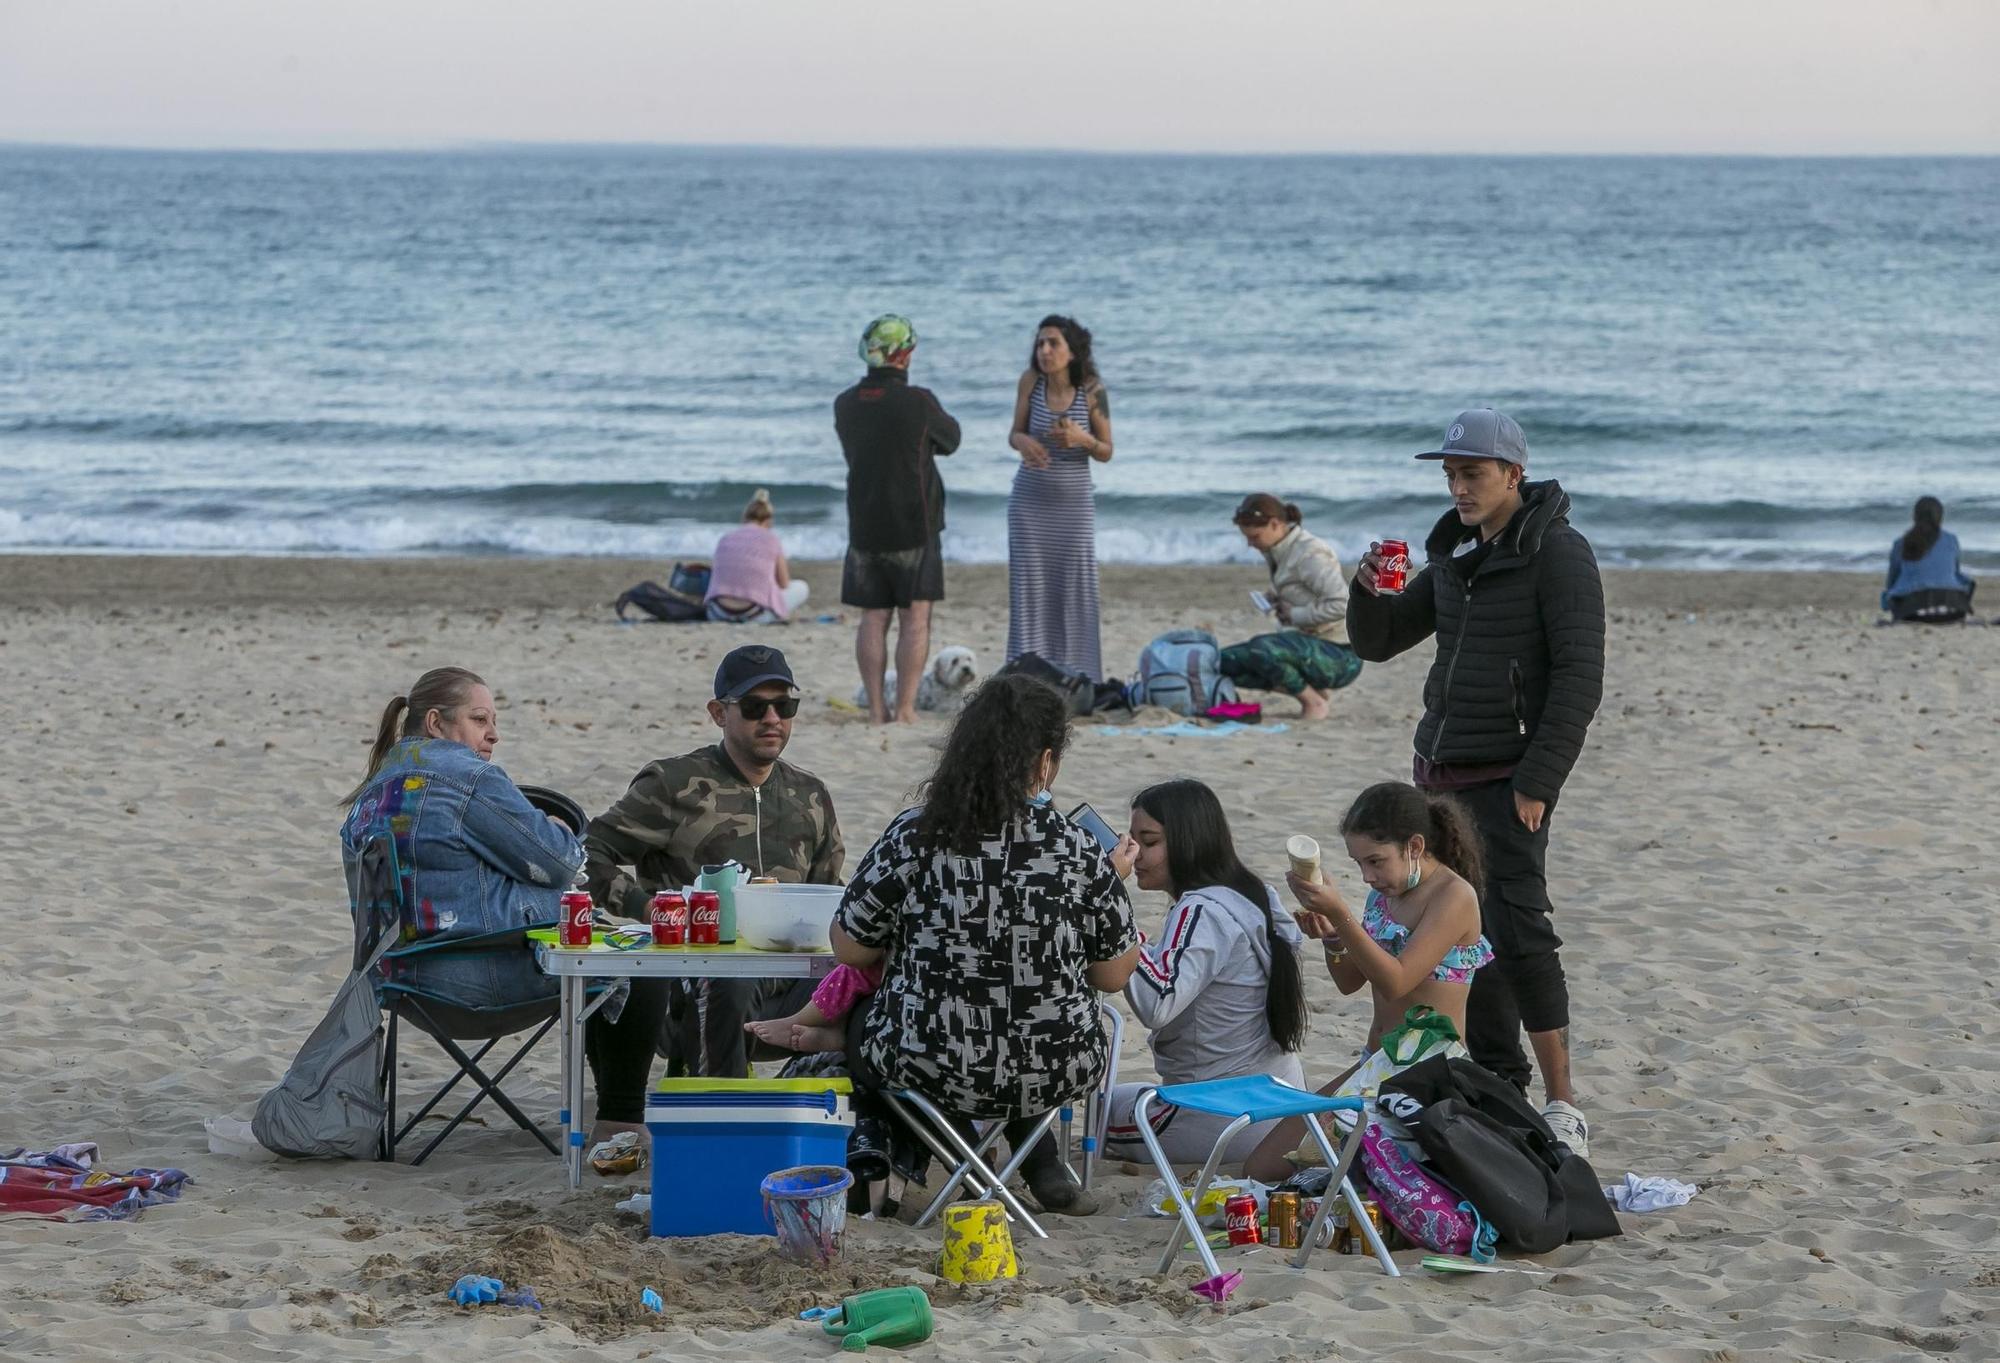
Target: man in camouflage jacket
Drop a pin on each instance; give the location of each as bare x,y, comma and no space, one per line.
736,800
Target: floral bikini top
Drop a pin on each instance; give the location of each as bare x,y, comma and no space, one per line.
1458,963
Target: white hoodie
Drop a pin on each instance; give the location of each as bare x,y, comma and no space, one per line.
1201,988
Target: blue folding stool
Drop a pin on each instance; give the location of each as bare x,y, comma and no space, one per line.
1259,1098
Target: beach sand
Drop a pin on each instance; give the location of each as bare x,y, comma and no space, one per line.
1772,868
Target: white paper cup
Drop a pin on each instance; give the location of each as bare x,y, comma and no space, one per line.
1303,853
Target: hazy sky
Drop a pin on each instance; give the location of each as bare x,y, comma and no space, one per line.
1838,76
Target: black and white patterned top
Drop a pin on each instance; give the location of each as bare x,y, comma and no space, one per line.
984,1007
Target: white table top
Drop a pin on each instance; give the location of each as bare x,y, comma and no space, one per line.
731,962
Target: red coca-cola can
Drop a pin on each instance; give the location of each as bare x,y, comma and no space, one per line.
670,918
574,928
704,918
1393,572
1239,1214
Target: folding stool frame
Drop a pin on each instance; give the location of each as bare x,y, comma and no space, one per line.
968,1160
1190,1228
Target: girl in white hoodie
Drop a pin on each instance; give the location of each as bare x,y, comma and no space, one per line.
1219,986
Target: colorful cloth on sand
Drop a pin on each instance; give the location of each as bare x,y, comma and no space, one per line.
62,1185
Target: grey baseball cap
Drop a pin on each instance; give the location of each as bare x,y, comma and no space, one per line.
1482,433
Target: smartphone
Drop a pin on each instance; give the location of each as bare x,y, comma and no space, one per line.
1261,602
1091,822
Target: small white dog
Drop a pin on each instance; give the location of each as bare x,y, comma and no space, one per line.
943,686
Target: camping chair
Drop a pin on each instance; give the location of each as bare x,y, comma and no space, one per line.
380,910
1259,1098
969,1160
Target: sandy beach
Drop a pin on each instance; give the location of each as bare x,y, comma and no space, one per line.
1772,870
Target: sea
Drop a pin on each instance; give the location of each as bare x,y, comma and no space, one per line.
1726,362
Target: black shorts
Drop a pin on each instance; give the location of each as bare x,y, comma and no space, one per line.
882,581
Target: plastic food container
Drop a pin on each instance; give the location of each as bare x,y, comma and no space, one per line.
786,917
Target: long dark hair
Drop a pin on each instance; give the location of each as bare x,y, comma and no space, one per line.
1082,368
1394,812
988,763
1200,853
441,688
1926,520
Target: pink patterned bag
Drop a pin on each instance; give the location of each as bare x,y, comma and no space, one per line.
1420,1204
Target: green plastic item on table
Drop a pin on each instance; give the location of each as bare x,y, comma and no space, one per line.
723,880
888,1315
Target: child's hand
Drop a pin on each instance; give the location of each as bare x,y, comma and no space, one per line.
1317,926
1125,856
1318,900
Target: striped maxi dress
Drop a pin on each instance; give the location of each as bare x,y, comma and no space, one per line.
1052,549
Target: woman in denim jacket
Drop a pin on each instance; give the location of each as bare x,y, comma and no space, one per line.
477,858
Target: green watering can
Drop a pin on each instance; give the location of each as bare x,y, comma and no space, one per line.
888,1315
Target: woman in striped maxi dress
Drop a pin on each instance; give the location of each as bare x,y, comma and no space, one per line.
1062,421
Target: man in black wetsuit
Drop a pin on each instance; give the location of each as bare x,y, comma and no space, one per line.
891,433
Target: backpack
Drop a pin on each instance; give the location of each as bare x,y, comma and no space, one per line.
684,598
1478,1133
1182,671
329,1105
1426,1209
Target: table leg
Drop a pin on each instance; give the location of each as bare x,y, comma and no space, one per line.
572,1066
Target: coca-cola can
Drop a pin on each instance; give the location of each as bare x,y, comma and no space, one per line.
1393,572
573,930
670,918
704,918
1239,1214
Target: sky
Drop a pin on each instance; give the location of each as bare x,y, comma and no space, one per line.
1843,77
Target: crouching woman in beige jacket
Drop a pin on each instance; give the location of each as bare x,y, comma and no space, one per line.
1309,658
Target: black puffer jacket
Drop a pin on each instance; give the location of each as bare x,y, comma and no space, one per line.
1520,643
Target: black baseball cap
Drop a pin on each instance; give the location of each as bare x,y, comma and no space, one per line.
750,666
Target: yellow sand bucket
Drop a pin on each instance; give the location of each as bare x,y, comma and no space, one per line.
978,1248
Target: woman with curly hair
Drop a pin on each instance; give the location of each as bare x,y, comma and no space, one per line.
1062,421
995,922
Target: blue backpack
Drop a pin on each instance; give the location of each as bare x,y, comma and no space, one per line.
1182,671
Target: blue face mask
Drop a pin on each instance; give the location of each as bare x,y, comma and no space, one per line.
1040,799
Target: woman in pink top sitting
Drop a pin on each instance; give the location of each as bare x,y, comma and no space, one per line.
750,582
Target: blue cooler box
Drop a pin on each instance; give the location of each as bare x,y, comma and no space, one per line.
714,1140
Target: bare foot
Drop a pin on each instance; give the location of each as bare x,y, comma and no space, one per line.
812,1040
775,1031
1312,705
910,718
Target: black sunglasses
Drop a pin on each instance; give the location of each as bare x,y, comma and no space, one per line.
754,707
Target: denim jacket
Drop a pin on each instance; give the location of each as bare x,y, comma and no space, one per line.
476,857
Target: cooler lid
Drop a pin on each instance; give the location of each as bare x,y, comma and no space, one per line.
721,1087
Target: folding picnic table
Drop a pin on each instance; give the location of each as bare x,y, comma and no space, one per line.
575,967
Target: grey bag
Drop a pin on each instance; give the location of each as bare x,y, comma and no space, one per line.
330,1103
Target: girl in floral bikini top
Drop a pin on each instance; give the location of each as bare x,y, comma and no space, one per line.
1417,938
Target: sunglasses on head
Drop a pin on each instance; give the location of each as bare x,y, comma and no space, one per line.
755,707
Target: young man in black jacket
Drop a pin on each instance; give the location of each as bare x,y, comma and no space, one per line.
891,433
1513,596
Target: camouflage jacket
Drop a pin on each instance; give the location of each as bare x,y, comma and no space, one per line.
684,813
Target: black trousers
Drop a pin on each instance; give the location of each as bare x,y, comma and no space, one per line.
1524,986
703,1029
621,1053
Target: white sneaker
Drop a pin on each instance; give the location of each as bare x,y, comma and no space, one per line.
1569,1126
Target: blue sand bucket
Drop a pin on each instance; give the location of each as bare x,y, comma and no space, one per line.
807,1207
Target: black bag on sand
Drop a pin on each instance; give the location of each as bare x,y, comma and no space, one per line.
1481,1136
683,599
1079,693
